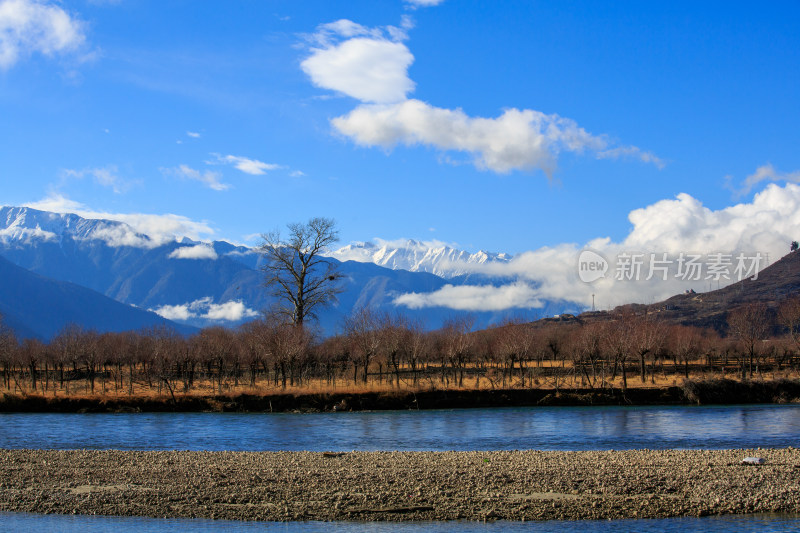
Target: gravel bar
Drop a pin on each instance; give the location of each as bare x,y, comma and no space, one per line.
495,485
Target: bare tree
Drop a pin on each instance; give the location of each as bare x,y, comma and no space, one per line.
299,276
8,348
67,345
619,340
587,349
686,344
290,345
418,346
363,328
648,338
395,342
789,317
514,345
750,324
255,339
458,344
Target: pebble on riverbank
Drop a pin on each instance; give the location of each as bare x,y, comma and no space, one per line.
507,485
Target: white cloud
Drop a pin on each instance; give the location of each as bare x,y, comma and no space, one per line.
517,139
104,176
200,251
174,312
764,173
247,165
366,66
633,152
209,178
16,233
371,65
193,134
474,297
328,34
766,226
230,311
29,26
206,309
116,235
423,3
160,228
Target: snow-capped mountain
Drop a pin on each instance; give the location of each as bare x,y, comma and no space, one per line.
416,256
22,226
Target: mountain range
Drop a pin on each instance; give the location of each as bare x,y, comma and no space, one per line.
198,284
416,256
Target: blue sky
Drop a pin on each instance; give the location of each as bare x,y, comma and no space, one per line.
504,126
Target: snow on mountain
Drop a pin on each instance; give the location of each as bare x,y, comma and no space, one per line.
433,257
23,225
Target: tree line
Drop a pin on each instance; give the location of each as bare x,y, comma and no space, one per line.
376,348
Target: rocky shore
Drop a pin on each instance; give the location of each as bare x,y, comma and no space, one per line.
509,485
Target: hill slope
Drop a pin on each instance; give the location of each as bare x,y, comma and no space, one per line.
35,306
709,309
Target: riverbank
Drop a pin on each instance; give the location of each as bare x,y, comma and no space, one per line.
717,391
507,485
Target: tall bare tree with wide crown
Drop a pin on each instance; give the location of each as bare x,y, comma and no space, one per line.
299,276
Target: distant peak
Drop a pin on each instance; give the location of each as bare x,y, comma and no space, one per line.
434,257
25,224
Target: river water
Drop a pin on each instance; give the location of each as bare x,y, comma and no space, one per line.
548,428
542,428
32,523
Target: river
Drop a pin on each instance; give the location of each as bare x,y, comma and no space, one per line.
33,523
542,428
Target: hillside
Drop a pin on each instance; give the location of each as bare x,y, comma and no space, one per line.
36,306
709,309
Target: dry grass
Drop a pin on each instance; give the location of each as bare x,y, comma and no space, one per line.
428,380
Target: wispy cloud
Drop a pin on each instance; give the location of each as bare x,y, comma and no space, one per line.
246,165
763,173
107,176
209,178
31,26
193,134
423,3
